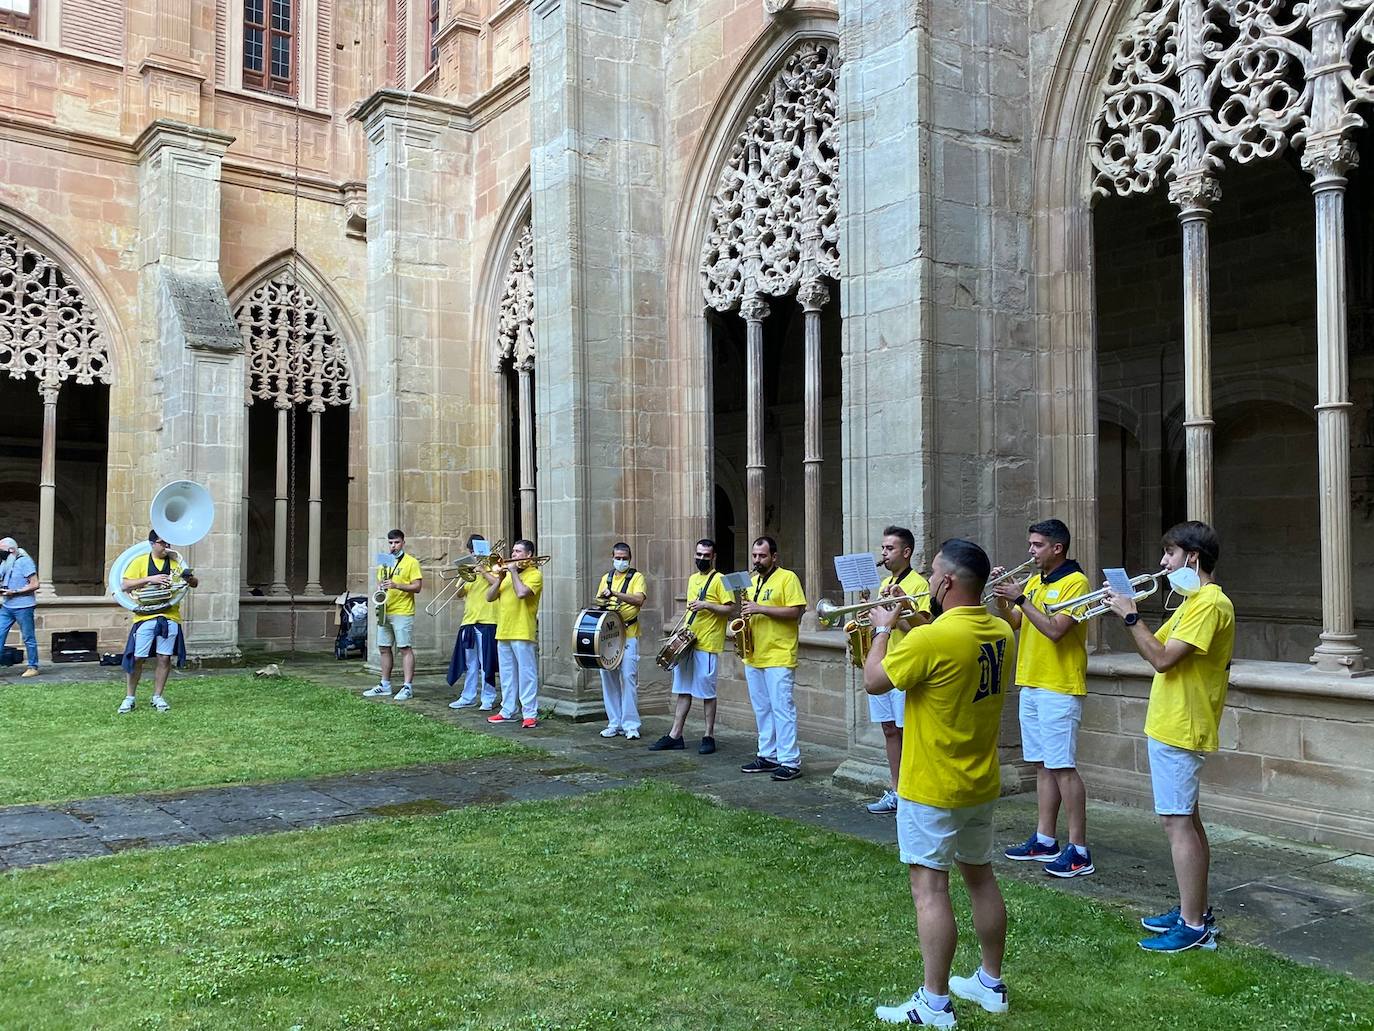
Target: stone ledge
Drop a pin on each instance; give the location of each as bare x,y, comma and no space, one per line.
1292,678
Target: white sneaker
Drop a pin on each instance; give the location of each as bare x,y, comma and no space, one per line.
610,732
972,988
160,704
631,735
460,704
916,1011
377,692
127,705
403,695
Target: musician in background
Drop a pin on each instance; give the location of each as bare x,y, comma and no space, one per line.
151,632
515,588
474,651
1052,672
1191,655
623,589
19,585
709,606
402,581
887,710
773,608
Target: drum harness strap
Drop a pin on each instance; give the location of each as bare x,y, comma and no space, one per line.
624,589
701,597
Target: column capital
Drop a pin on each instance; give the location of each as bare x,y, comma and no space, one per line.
1194,194
813,295
1327,160
754,309
162,133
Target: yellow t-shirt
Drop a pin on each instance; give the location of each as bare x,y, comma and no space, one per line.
708,626
1060,665
627,612
1186,702
476,608
404,570
775,640
517,619
138,569
956,672
911,582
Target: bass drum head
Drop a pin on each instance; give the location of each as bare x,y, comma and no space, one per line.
598,639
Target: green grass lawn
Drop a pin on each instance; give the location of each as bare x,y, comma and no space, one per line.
646,908
61,741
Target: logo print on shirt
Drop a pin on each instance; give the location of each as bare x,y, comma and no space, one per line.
990,657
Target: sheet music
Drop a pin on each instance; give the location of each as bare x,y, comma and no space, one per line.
737,581
481,547
1119,582
858,572
385,558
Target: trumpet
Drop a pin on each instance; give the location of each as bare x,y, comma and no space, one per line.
990,588
516,564
464,571
1092,604
828,614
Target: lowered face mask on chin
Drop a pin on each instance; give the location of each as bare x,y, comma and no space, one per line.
1185,581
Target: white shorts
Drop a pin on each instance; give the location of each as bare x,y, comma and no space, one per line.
936,838
1049,727
143,638
695,674
888,708
396,632
1174,775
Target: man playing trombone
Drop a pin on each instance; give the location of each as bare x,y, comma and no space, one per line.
623,589
1052,671
773,609
887,710
474,653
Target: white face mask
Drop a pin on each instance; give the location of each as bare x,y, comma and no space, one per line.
620,564
1185,581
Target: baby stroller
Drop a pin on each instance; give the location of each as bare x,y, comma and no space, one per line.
352,626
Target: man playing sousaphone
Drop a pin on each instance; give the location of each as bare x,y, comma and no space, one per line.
709,605
154,631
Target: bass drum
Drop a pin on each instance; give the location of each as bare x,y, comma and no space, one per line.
598,639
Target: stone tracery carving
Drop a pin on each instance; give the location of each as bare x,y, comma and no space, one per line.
515,319
294,354
1192,82
774,215
47,328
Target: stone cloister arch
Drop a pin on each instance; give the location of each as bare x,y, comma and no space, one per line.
299,358
513,354
50,333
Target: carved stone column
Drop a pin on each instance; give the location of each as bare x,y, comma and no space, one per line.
754,310
312,575
247,509
280,513
47,493
528,508
1194,197
813,297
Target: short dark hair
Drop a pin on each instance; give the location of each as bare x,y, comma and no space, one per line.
395,535
474,537
621,546
153,537
1053,530
706,542
1191,535
772,544
523,543
971,563
902,534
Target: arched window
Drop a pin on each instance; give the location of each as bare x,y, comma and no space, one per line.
514,362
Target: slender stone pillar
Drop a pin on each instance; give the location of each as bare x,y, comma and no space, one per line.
754,310
312,575
247,508
1328,160
1194,197
813,297
47,494
528,509
280,514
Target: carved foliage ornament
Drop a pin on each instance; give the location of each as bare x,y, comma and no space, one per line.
773,218
294,355
47,329
515,317
1194,82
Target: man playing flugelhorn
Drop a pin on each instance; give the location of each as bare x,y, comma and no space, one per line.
773,607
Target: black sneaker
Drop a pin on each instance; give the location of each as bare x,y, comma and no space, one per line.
666,743
708,745
759,765
786,773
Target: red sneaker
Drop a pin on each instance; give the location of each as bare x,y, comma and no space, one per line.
529,724
498,718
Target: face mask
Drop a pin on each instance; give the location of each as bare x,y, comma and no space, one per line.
1185,581
620,564
703,564
936,609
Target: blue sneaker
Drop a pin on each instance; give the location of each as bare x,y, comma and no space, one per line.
1180,938
1072,862
1161,923
1032,849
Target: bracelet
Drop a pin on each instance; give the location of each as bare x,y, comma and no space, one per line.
881,630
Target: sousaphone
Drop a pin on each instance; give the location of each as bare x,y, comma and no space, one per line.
181,514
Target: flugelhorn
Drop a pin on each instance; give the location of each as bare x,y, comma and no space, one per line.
990,588
1092,604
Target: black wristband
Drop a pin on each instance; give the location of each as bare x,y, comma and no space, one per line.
1019,600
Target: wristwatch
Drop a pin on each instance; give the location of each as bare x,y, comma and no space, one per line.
1131,618
1019,600
881,630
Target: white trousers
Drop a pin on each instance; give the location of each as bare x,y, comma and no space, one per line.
620,690
474,678
519,665
770,693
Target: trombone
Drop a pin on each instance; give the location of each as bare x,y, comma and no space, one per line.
1092,604
464,571
990,588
